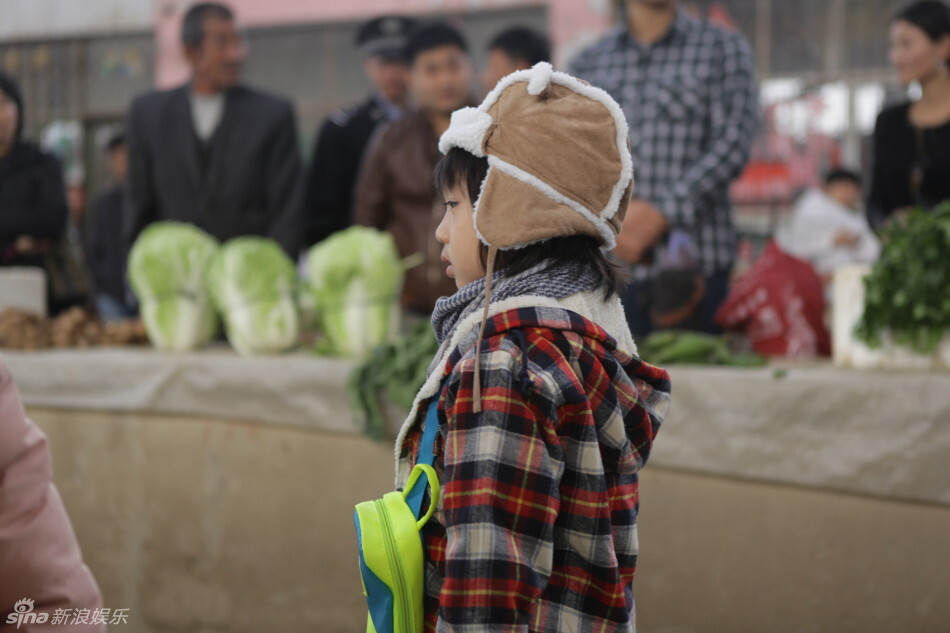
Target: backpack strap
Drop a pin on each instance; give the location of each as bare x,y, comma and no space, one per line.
415,496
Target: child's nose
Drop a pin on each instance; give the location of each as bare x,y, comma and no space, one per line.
442,232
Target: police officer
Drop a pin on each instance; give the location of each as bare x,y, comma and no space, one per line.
345,134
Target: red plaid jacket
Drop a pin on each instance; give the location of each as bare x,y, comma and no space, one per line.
536,529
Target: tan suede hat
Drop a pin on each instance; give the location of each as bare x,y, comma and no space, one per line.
558,164
558,156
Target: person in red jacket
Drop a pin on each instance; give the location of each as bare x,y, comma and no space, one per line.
41,567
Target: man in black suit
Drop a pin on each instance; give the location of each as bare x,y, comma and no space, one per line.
213,152
345,134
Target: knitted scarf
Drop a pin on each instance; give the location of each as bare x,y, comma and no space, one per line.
547,279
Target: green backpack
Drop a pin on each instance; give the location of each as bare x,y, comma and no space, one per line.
388,536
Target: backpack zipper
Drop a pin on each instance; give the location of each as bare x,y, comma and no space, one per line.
396,564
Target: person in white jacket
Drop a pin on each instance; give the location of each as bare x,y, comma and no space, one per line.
827,229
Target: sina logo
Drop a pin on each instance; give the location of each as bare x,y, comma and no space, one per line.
23,614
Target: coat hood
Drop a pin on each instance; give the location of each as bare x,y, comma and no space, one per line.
583,319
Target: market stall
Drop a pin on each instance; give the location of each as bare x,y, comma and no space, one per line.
211,490
212,483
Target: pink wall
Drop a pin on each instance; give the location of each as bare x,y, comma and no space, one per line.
573,22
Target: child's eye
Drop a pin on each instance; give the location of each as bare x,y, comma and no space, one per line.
450,204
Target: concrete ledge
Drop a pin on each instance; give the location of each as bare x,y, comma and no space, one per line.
885,434
206,525
298,389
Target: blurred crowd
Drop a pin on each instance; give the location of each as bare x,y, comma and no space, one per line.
224,156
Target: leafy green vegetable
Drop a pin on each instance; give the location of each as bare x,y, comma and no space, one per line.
908,290
355,277
394,371
253,285
167,267
669,347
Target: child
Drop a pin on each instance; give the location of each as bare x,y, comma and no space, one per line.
545,412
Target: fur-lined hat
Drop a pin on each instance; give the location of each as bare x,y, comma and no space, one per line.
558,165
558,156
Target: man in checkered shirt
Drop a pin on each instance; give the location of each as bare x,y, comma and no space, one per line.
688,90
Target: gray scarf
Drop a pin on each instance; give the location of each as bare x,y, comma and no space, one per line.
547,279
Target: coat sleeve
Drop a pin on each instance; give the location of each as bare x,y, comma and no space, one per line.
327,201
39,555
142,201
502,469
45,218
374,185
285,184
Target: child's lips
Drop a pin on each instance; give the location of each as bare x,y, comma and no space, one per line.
448,269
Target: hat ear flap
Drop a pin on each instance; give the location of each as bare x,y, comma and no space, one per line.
616,221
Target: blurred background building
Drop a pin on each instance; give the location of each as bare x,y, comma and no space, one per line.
821,63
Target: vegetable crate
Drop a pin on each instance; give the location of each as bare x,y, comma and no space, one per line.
850,352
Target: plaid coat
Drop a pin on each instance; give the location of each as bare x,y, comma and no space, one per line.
536,529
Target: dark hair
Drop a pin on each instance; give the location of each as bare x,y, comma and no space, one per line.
523,44
930,16
115,141
460,167
842,175
193,24
431,35
8,86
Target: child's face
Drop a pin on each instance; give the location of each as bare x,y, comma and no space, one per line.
457,235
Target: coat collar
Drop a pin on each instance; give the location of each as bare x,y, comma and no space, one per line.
184,128
530,315
184,132
583,313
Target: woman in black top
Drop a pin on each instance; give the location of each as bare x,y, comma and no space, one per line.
911,151
32,193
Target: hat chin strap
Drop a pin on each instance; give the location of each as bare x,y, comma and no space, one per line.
489,275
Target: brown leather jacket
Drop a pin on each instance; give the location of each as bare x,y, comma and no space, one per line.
394,193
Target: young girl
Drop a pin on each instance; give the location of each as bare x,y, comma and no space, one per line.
546,414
